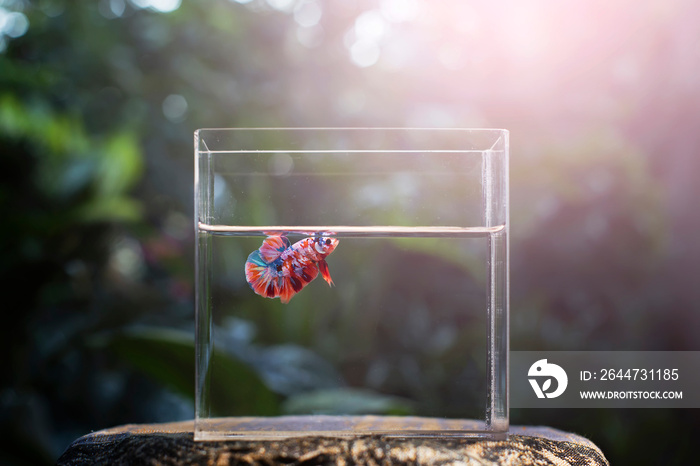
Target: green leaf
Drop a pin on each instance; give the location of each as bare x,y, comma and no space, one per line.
168,356
120,164
347,401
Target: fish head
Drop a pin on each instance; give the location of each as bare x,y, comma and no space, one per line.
325,244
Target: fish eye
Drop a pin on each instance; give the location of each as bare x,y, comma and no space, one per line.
328,242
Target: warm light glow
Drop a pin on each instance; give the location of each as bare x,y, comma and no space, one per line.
364,53
370,26
308,13
163,6
282,5
364,40
399,10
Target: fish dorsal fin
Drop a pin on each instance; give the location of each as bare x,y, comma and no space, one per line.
273,247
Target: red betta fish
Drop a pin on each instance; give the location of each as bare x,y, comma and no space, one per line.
279,269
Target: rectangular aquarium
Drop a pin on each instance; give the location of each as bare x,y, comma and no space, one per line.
351,281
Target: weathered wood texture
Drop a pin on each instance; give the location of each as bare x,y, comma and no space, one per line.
173,444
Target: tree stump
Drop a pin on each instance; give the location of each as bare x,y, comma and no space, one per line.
173,444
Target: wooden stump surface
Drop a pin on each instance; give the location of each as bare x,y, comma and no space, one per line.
173,444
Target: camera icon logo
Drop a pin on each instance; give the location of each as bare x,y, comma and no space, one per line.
546,372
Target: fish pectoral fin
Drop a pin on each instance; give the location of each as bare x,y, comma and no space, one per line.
273,247
325,273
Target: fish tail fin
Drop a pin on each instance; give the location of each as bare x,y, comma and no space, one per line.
325,273
260,277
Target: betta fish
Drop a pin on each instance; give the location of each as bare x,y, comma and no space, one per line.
279,269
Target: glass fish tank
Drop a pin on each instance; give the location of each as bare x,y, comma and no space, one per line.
351,281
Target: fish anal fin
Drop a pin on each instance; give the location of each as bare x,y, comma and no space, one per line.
286,292
308,273
296,284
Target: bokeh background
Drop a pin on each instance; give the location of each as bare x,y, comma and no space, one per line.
99,100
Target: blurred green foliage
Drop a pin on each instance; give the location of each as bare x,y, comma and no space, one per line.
168,356
98,101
